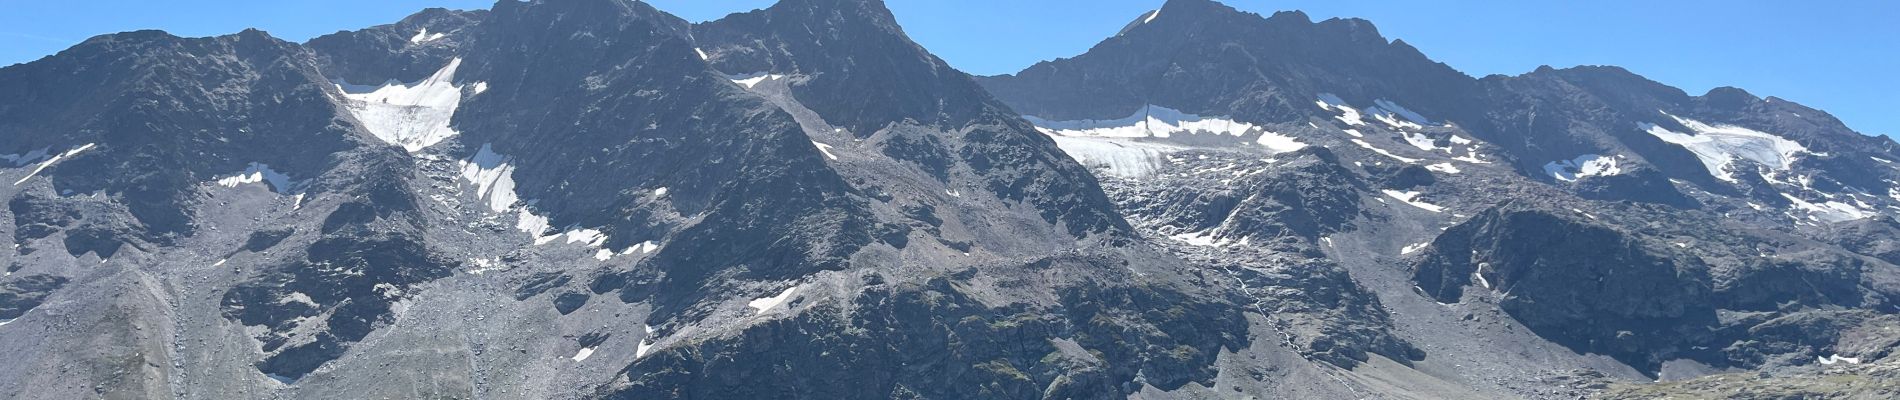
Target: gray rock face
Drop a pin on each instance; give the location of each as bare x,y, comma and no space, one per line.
1585,286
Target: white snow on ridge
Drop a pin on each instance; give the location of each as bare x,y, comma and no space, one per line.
414,115
751,80
256,173
1148,121
764,304
1586,165
1717,146
1151,16
1411,198
51,161
424,36
702,53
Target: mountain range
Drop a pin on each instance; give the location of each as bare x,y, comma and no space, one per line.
597,199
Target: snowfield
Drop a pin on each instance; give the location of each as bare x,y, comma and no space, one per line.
1586,165
1718,146
414,115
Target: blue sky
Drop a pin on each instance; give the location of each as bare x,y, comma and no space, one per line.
1839,56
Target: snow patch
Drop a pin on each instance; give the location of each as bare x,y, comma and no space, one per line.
1278,143
1413,248
1718,146
702,53
50,162
1411,198
256,173
493,178
415,115
1446,168
1151,16
1390,108
1829,211
1347,114
484,265
1835,358
424,36
764,304
1586,165
583,354
1423,142
751,80
1203,239
824,148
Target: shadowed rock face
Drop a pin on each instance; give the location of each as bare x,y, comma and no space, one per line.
937,341
860,73
1585,286
1597,289
167,113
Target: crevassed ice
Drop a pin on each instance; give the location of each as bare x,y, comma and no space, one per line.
1717,146
412,115
257,172
1120,158
1586,165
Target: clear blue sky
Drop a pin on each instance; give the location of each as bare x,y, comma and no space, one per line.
1840,56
